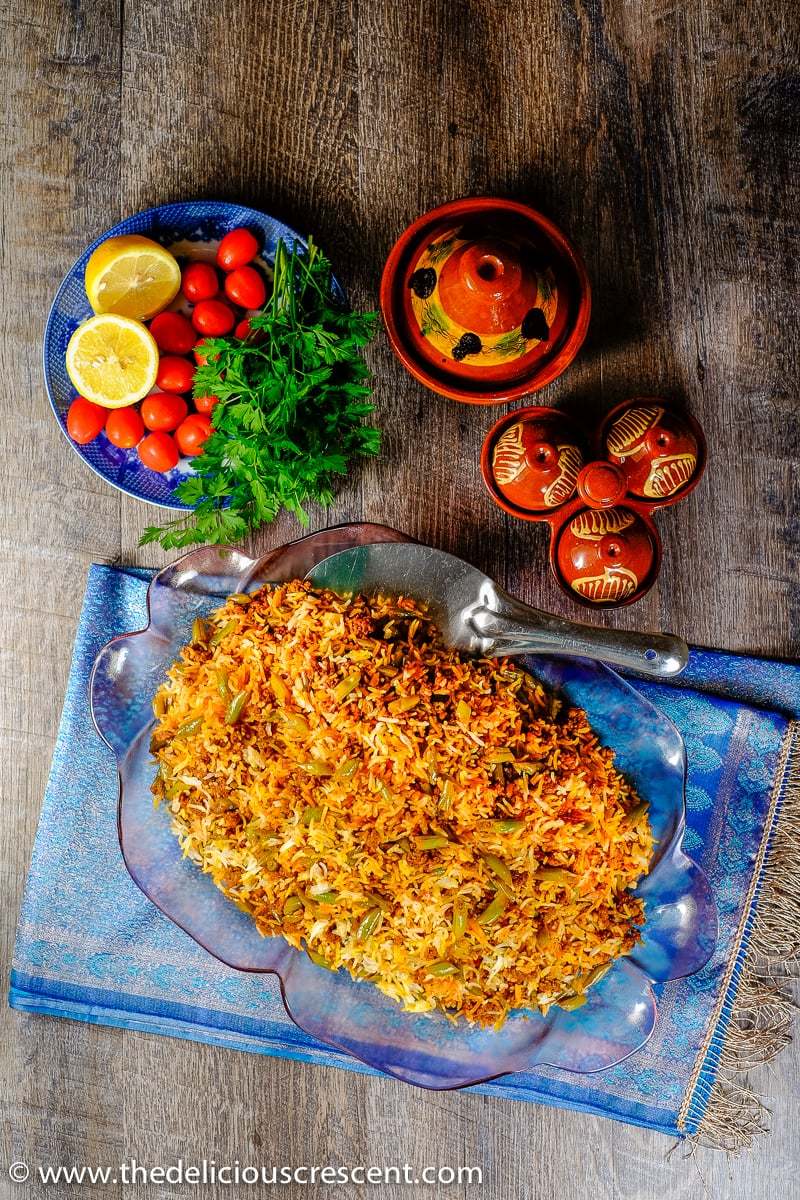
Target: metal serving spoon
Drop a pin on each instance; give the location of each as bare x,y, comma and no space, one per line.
474,614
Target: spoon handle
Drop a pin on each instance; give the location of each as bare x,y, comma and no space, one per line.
503,625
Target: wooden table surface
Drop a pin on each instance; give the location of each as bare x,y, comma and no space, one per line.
664,138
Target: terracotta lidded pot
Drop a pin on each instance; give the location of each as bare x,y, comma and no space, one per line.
485,300
533,465
660,450
607,555
604,546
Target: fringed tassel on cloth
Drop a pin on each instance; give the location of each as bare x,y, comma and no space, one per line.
763,1012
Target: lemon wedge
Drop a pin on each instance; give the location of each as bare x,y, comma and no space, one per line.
112,360
131,275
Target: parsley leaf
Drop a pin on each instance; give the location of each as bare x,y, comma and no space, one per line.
292,399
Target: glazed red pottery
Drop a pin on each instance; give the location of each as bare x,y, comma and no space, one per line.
604,547
485,300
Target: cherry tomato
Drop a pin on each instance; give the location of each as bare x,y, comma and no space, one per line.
173,333
159,452
245,287
163,411
236,248
85,420
199,281
213,317
175,374
243,329
192,432
125,427
204,404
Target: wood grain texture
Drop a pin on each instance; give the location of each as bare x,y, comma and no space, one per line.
664,139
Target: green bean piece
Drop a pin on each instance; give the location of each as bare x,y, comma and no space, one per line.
433,841
459,919
636,813
404,704
240,598
188,727
554,875
510,825
199,632
311,815
236,707
222,684
223,631
442,969
347,685
385,794
493,910
463,712
296,722
498,868
348,768
293,904
570,1003
368,924
318,960
173,790
158,740
594,976
503,755
326,897
314,767
446,796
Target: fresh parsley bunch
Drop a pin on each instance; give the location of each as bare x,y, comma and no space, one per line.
292,401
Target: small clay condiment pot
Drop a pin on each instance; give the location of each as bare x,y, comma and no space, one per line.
604,547
485,300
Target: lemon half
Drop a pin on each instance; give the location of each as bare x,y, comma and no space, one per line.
112,360
131,275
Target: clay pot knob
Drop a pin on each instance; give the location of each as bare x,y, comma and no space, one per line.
490,269
601,484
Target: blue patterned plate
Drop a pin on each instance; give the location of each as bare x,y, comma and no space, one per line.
180,227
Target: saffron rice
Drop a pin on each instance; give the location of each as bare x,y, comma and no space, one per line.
436,824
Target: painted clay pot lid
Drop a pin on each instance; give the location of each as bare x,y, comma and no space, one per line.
660,451
485,300
607,555
534,463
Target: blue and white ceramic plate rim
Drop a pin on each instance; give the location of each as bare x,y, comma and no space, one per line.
185,220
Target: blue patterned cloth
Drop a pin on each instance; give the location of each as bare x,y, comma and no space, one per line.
90,946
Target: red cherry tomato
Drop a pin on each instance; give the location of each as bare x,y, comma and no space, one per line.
125,427
243,329
175,374
236,248
245,287
85,420
213,317
204,404
173,333
192,432
159,452
163,411
199,281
